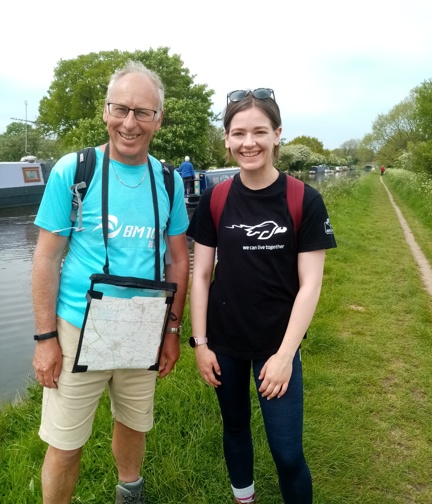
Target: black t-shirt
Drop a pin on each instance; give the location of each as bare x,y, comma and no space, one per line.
256,277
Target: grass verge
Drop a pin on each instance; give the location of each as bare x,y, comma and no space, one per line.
366,362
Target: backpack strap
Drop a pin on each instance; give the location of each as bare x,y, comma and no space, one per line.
295,193
168,173
217,200
86,161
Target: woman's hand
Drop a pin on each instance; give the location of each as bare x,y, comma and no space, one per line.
275,376
208,365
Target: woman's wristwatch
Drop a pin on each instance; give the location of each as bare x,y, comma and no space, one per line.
194,341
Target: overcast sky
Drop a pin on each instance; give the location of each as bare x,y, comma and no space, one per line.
334,65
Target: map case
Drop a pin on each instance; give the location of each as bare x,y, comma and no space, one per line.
124,324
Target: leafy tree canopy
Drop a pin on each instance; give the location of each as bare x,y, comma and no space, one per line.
392,132
19,140
293,157
217,147
348,153
366,153
73,108
313,143
349,149
423,109
420,157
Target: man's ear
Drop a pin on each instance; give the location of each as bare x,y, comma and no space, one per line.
105,114
159,120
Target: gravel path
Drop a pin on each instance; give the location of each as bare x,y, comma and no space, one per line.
423,264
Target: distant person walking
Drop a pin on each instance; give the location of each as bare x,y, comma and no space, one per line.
382,170
186,170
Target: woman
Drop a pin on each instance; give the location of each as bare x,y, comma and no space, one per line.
256,311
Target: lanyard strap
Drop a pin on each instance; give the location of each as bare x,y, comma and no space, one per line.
105,176
105,168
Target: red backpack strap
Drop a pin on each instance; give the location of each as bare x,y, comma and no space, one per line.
295,192
217,200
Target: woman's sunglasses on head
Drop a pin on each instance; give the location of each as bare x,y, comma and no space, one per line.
259,94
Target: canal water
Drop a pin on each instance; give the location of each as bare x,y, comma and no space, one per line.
18,236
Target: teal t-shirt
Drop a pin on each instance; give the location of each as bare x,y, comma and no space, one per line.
131,222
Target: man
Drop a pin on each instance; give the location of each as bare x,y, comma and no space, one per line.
133,112
187,172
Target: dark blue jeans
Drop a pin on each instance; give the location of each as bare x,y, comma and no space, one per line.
283,421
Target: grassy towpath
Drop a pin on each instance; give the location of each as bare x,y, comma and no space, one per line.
367,369
368,360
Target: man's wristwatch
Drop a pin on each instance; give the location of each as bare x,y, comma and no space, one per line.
173,330
194,342
44,336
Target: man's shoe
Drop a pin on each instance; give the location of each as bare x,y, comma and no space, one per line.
127,496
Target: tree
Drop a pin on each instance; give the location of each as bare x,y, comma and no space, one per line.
313,143
73,108
366,152
89,132
403,137
349,147
317,159
18,138
421,152
392,132
334,159
217,147
77,90
186,129
420,157
293,157
423,109
349,152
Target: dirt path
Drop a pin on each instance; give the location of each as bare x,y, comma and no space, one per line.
423,264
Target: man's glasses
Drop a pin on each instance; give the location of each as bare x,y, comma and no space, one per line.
259,94
121,111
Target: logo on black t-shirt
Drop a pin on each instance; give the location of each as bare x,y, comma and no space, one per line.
262,231
328,227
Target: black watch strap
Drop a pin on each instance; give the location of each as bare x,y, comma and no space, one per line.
47,335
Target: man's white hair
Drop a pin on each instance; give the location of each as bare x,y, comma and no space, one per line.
132,67
187,158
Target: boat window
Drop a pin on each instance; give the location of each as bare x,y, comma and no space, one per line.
31,175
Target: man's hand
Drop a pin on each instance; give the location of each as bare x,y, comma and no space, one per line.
170,354
47,362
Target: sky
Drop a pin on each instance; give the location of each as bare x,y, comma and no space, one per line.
334,65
